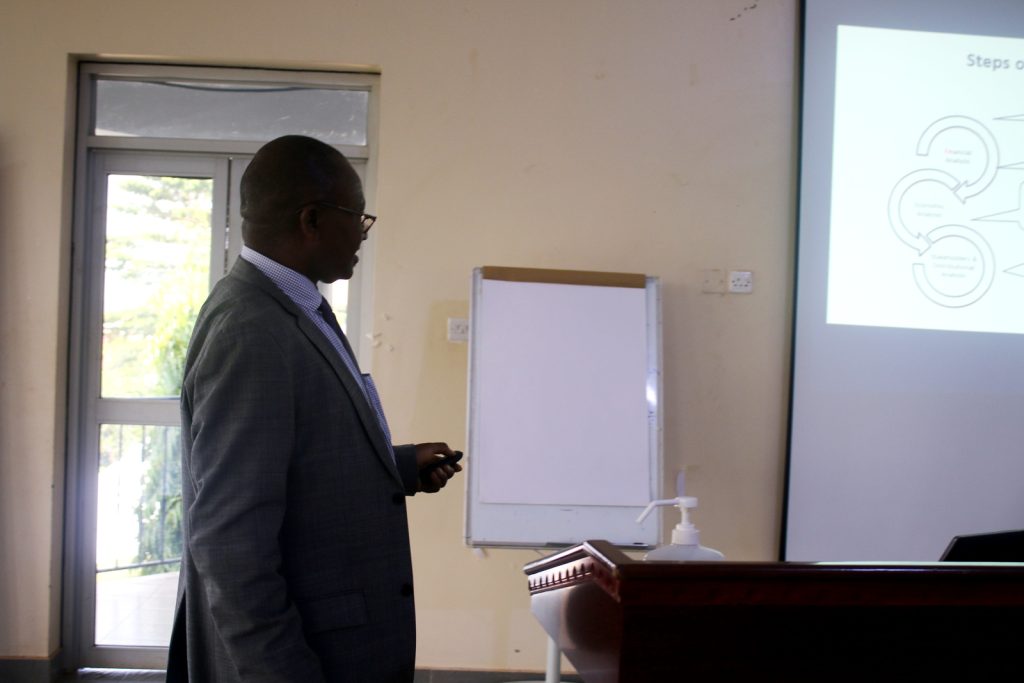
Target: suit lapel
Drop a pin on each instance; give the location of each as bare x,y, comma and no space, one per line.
248,273
366,413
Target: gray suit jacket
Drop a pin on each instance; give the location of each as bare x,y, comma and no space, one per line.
296,564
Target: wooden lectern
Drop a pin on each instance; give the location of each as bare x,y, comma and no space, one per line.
624,620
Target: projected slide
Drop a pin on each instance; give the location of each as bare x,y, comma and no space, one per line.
927,220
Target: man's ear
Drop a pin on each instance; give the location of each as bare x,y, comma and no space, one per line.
309,223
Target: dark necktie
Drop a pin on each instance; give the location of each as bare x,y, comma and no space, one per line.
328,313
364,381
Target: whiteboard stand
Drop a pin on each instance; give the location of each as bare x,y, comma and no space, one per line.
565,421
565,418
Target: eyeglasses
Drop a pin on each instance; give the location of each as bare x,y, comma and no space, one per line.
366,220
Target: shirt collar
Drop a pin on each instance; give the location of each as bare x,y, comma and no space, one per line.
294,284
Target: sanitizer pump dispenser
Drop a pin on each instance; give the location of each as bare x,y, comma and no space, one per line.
685,537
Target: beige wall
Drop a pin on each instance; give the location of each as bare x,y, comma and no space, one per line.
653,137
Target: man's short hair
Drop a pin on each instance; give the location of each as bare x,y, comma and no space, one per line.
286,174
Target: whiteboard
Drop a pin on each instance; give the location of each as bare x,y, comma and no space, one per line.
564,421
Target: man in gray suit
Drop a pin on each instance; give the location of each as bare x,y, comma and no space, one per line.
296,564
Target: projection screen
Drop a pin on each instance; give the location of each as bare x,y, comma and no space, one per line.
907,406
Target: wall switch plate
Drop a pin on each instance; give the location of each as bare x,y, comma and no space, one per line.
741,282
713,281
458,329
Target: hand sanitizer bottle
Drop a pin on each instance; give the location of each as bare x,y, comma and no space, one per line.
685,537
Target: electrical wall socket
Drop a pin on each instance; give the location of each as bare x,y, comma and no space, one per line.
458,330
741,282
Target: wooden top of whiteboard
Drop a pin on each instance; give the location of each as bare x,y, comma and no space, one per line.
564,277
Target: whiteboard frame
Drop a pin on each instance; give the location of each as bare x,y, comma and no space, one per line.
547,526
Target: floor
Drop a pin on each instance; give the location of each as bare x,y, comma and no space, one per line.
122,676
136,611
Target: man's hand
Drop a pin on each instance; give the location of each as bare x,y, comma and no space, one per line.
435,480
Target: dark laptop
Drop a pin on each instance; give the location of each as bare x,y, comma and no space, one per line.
1001,546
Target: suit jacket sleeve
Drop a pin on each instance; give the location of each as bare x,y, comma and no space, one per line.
242,440
408,470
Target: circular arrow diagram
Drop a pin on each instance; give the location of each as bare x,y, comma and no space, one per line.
916,240
955,236
968,189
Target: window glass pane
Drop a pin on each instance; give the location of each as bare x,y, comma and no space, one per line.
229,112
138,540
156,276
339,304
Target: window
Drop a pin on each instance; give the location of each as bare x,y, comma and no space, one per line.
160,154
